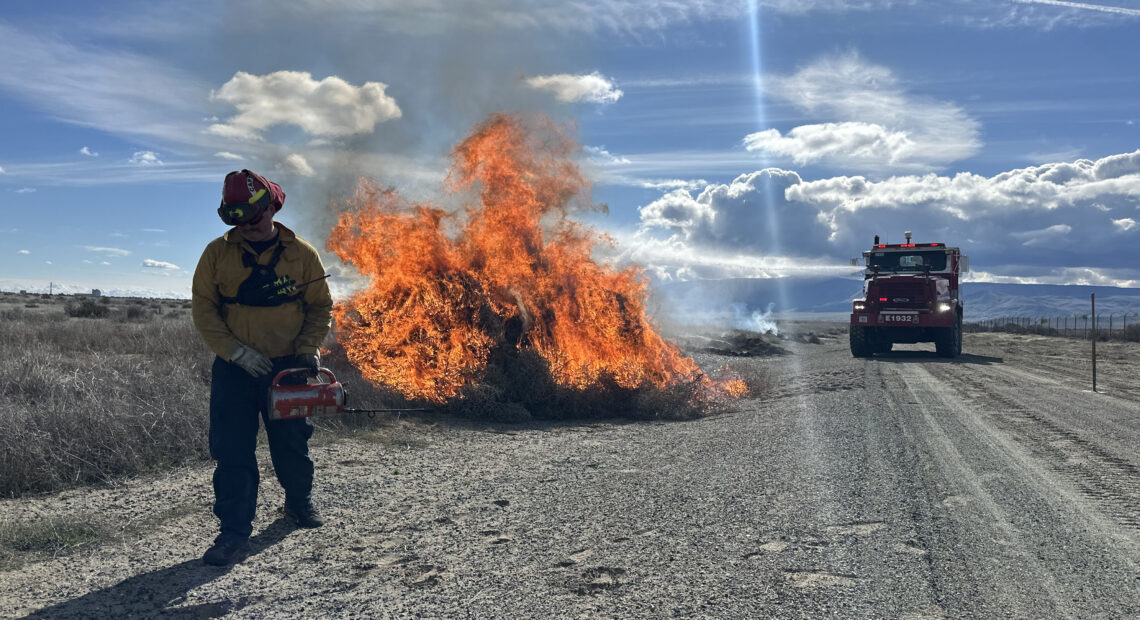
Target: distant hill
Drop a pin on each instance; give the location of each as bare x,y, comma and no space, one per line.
742,298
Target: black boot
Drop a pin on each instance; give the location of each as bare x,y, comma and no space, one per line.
305,516
226,550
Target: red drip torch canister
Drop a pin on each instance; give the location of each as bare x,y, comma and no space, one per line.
305,400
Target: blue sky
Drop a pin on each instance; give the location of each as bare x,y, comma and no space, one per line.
729,139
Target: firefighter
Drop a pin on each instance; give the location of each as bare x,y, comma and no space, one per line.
252,306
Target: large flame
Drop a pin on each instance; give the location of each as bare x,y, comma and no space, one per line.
515,272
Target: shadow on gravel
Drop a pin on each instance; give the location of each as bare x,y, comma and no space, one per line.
157,593
931,356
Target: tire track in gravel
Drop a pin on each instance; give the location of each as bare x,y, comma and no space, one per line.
1009,517
1007,397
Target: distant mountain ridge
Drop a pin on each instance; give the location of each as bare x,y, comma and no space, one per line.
983,300
67,288
743,300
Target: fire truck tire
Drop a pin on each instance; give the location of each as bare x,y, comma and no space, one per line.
948,342
860,341
883,346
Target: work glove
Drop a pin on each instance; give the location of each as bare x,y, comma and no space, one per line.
308,361
251,361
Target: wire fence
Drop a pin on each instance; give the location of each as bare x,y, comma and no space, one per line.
1108,325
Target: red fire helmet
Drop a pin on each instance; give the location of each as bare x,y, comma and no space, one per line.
246,194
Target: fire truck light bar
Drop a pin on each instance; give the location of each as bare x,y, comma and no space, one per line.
911,245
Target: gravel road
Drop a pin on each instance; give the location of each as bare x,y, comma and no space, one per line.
906,486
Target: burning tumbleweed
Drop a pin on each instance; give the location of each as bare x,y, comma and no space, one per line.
504,303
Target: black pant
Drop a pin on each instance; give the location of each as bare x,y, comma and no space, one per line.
236,400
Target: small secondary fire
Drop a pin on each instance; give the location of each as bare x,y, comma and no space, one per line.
451,292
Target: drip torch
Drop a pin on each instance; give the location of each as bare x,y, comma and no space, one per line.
292,396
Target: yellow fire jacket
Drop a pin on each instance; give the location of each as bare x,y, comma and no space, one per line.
293,328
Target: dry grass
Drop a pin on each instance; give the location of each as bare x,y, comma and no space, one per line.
86,400
89,396
94,398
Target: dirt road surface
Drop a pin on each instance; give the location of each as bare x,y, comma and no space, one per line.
906,486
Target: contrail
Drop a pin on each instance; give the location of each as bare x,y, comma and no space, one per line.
1082,5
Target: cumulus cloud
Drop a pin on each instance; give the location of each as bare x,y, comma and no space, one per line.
88,152
146,158
150,263
569,88
848,140
227,155
871,119
107,251
327,107
1027,222
23,252
296,164
750,215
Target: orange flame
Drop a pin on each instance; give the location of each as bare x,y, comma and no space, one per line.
438,305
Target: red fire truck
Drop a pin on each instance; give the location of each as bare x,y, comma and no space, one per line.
911,294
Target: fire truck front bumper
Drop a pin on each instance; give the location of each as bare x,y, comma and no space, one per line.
903,318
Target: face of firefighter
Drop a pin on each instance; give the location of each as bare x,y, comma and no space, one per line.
259,228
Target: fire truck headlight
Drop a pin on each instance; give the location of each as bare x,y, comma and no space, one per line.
859,306
944,307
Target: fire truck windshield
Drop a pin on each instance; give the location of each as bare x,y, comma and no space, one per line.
907,261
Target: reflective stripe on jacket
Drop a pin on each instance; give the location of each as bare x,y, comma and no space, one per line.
293,328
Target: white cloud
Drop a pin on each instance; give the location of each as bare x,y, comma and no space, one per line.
329,107
23,252
1044,157
100,88
25,190
689,184
107,251
1081,276
1027,222
1042,236
870,119
228,155
568,88
145,158
1085,6
1124,224
2,170
599,155
750,214
157,264
296,164
851,141
154,230
598,16
88,152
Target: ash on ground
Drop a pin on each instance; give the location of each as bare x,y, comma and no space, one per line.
731,342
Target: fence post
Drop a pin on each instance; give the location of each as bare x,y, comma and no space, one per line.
1092,300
